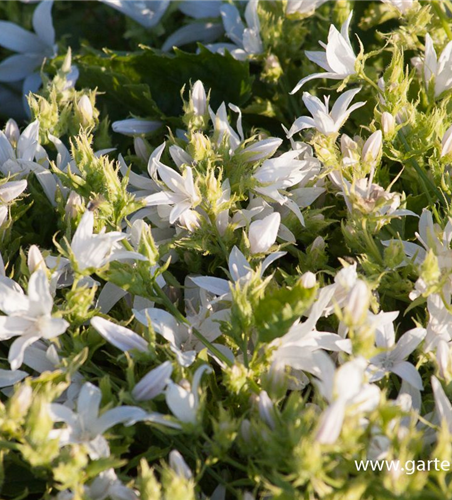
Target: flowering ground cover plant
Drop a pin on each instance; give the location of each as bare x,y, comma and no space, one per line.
225,240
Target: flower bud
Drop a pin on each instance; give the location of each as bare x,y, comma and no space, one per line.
316,254
12,131
86,111
66,66
358,302
318,244
372,148
199,99
388,124
179,466
418,64
74,201
262,233
266,409
35,260
308,280
446,143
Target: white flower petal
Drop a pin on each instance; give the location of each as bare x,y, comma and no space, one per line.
42,22
154,383
17,349
119,336
15,38
126,415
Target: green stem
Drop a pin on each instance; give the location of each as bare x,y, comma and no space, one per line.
372,247
218,237
442,17
8,445
245,352
252,384
370,82
295,252
211,347
167,302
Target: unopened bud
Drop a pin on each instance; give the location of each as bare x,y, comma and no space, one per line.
372,148
308,280
266,409
66,66
318,244
35,259
74,201
12,131
358,301
387,124
199,98
86,110
179,466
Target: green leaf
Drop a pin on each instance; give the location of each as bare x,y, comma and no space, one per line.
279,309
20,482
148,83
103,464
